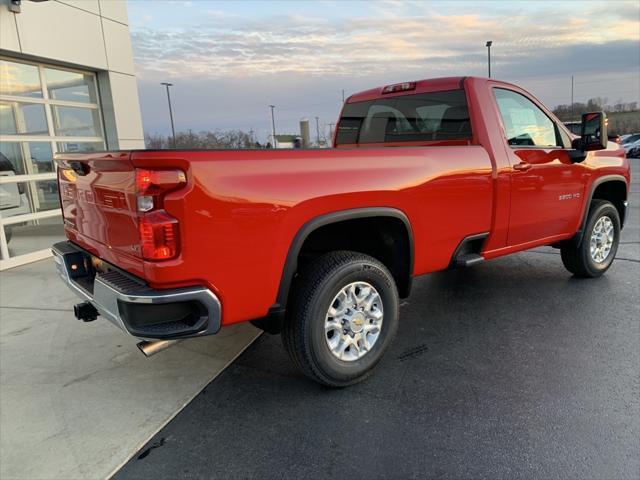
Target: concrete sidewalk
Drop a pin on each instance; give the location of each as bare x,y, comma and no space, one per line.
77,400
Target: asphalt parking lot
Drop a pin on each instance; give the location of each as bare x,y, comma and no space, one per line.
512,369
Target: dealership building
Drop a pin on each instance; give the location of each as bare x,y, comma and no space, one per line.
67,84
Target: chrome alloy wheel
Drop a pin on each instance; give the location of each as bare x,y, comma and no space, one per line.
354,321
602,238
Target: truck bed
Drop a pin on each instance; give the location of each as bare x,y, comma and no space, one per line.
241,209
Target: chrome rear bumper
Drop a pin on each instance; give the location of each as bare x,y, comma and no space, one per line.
123,299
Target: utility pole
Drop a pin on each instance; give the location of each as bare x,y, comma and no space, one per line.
317,131
343,95
489,43
571,97
273,127
173,130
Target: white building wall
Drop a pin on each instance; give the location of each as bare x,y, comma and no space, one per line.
86,34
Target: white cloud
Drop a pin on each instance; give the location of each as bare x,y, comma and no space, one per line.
389,41
224,46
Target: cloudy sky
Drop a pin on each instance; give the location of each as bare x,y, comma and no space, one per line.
230,60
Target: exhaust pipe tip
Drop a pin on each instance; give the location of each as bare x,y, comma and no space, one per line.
149,348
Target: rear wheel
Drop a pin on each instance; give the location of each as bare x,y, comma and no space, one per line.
342,317
595,253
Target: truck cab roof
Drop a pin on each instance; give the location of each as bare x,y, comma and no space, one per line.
415,87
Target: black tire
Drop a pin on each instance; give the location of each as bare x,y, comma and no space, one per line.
304,335
578,259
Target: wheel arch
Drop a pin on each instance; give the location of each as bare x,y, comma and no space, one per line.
613,188
276,312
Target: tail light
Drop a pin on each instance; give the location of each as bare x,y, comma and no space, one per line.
159,231
159,235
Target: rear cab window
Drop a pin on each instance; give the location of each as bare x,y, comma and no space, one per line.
422,117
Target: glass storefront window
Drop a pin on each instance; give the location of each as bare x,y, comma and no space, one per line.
40,156
45,194
80,147
19,118
33,235
36,196
28,157
43,110
76,121
19,79
12,152
70,86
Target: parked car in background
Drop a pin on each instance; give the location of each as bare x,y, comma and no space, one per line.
630,143
632,149
629,138
320,244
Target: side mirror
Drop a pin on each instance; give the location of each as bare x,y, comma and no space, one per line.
594,132
593,136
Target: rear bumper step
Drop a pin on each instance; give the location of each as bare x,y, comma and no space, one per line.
136,308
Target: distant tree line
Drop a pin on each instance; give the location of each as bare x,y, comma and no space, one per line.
206,140
567,113
624,117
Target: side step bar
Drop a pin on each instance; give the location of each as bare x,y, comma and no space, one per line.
467,260
468,251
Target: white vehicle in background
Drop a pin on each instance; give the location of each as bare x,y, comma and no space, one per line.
629,142
629,138
632,149
13,200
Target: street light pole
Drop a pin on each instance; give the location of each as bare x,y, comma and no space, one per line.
571,97
317,131
489,43
273,126
173,130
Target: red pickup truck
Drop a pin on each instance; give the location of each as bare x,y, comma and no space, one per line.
320,245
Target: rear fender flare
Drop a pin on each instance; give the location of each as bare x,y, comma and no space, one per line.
291,262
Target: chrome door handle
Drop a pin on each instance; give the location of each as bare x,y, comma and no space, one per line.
522,166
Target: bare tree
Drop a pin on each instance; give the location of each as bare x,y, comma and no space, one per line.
203,140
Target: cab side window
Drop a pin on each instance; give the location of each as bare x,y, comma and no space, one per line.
524,123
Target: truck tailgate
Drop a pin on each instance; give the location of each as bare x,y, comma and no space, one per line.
98,196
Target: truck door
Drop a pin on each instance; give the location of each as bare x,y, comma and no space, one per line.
546,187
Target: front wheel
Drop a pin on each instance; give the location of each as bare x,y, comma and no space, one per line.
342,317
595,253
